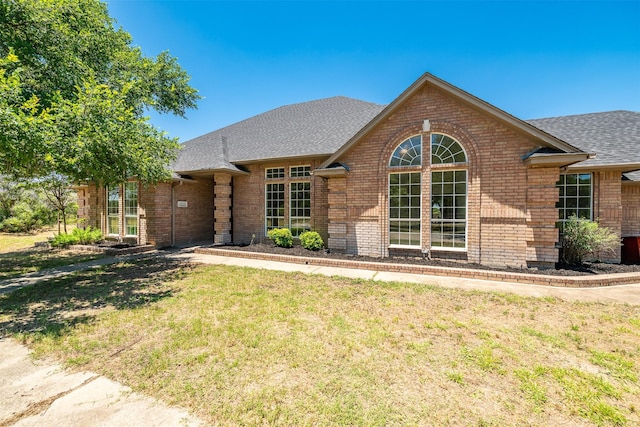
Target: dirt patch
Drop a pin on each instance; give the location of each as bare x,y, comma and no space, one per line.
586,269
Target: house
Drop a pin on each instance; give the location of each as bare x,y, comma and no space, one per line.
436,171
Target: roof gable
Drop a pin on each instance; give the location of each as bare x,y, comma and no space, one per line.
546,139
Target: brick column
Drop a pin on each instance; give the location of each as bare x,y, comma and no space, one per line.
337,187
222,208
542,214
609,206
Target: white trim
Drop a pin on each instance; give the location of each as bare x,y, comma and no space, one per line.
466,212
284,173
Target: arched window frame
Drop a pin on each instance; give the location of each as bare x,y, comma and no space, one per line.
408,153
449,177
405,194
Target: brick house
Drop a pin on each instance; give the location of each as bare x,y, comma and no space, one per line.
437,170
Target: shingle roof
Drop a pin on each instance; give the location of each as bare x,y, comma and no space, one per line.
614,135
310,128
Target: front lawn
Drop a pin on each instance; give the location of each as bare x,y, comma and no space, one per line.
240,346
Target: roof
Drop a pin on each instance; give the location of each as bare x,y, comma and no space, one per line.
614,136
331,126
315,128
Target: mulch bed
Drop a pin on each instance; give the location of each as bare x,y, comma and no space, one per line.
586,269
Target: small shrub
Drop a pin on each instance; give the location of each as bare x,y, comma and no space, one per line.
79,236
311,240
281,237
582,237
87,236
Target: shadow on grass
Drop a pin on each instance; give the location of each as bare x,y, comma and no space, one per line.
53,307
13,264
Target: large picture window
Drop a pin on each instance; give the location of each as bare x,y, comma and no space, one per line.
574,192
131,208
300,207
404,209
274,198
446,218
113,210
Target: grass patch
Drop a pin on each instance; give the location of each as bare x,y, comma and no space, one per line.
240,346
15,264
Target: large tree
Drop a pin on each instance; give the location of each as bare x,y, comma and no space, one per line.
74,94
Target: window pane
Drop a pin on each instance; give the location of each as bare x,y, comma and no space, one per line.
448,212
408,153
445,149
404,209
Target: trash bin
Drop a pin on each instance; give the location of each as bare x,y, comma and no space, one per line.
631,250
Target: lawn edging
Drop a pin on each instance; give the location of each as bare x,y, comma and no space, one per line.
593,281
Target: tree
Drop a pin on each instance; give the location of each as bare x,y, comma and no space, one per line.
581,238
74,93
60,196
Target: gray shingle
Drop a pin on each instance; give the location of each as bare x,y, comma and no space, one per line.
310,128
614,135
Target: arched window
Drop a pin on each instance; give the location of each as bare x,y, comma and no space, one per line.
408,153
448,193
404,195
445,149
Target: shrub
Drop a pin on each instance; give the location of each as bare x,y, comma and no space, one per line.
582,237
87,236
311,240
78,236
281,237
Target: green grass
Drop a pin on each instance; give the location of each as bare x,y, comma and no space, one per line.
239,346
18,255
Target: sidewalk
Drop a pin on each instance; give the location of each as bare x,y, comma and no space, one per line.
624,294
41,393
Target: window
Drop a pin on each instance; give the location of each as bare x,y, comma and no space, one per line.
300,171
274,213
113,210
274,173
445,149
448,209
300,207
447,215
408,153
574,196
404,209
131,208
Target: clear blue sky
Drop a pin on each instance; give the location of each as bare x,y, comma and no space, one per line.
532,59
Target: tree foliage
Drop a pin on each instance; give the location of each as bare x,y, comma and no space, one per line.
74,92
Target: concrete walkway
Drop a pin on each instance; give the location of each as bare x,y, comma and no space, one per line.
41,393
629,294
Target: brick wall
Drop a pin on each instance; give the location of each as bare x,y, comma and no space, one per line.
505,213
630,209
607,205
248,200
194,223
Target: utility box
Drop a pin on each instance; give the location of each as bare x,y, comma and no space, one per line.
631,250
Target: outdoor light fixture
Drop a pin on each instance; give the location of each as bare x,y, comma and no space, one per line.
426,126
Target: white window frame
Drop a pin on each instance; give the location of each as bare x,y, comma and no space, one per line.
291,207
305,171
281,219
562,217
128,215
110,213
276,173
454,220
419,219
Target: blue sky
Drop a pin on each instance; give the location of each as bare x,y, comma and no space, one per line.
531,59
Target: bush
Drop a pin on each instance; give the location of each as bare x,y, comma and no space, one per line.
281,237
78,236
311,240
582,237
